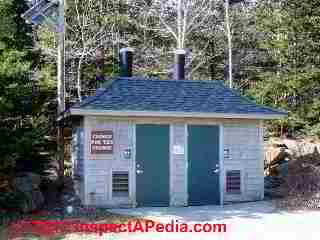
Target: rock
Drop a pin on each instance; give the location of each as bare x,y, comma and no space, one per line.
279,151
277,155
32,201
52,174
271,187
34,178
283,169
27,185
294,147
272,182
22,184
272,193
50,189
70,199
37,199
68,194
27,181
299,148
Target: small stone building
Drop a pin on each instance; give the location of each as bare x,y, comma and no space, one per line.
146,142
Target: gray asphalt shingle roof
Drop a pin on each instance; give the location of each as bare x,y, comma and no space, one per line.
139,94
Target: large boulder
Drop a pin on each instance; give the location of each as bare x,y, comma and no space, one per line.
278,152
50,189
300,147
276,159
28,180
27,186
68,195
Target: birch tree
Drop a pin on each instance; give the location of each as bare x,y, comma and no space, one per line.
91,25
178,20
237,14
90,29
229,37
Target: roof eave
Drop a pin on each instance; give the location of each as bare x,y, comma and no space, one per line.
94,112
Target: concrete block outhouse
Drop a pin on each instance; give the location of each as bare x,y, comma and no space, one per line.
146,142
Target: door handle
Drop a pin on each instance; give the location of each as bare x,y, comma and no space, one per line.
139,171
217,169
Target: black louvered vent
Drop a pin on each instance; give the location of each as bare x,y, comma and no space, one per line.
233,181
120,184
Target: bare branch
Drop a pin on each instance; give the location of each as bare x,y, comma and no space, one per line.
167,27
201,10
195,26
196,68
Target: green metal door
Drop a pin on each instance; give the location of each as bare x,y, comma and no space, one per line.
152,165
203,165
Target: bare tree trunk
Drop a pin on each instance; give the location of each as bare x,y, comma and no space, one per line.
227,8
212,64
61,89
79,78
179,24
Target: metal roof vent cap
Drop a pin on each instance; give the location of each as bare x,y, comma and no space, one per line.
179,64
126,61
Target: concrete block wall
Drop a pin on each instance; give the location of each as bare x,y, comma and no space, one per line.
178,166
99,167
244,142
243,138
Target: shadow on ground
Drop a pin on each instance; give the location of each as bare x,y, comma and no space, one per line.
251,210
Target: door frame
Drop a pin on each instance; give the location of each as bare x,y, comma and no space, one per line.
221,158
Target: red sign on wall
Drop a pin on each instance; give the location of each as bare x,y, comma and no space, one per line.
101,142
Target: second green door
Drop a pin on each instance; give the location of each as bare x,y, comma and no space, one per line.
203,165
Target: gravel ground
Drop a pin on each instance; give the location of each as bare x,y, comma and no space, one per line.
247,221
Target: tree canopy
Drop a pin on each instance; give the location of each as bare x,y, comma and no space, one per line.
22,98
275,58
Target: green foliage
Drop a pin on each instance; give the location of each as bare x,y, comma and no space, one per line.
275,59
291,76
12,200
25,98
13,30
